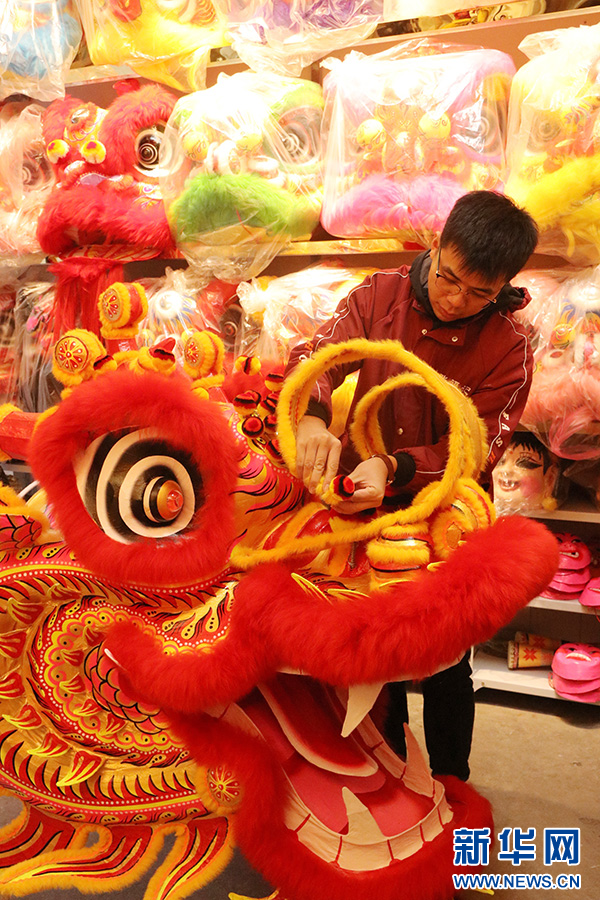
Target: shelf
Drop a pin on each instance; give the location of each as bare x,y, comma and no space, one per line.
502,34
493,672
97,74
577,509
571,606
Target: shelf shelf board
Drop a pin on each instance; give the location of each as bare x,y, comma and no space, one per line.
576,509
97,74
571,606
493,672
345,246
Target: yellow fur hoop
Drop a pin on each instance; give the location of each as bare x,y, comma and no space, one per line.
466,442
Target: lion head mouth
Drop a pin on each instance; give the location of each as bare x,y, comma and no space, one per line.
350,799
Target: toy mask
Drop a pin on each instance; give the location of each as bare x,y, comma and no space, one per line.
573,552
526,476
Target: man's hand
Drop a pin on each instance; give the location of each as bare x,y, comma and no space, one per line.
317,453
370,478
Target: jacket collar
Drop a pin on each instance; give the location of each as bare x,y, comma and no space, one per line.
509,299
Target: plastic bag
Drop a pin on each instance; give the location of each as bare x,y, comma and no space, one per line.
287,35
527,478
553,142
244,171
409,131
38,42
25,181
181,303
8,295
285,311
32,387
563,408
479,14
162,40
586,474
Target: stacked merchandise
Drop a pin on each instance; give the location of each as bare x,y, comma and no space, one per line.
576,672
573,571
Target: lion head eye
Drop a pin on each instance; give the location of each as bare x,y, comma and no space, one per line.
135,485
151,151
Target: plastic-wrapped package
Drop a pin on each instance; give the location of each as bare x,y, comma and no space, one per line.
527,477
32,387
287,35
25,181
38,42
288,310
181,303
8,294
244,171
553,141
409,131
586,474
479,14
563,408
162,40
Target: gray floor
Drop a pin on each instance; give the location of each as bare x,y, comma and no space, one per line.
538,762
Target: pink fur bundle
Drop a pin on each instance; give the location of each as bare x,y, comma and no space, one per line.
381,206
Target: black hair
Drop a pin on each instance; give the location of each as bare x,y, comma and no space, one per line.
493,235
531,442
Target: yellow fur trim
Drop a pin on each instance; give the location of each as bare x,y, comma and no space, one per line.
219,790
75,354
121,308
203,355
466,441
124,357
341,401
553,196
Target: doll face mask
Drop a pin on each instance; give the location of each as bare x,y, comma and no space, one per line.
524,479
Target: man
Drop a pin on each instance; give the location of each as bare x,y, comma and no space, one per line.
452,308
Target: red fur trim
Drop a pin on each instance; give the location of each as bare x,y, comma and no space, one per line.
79,283
412,629
126,117
277,853
107,211
102,214
196,425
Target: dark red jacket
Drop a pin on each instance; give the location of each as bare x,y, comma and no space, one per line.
487,355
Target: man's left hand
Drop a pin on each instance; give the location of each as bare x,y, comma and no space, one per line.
370,478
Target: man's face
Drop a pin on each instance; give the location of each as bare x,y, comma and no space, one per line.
455,293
